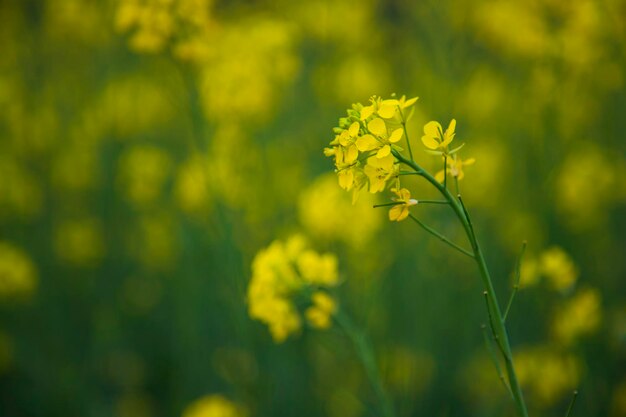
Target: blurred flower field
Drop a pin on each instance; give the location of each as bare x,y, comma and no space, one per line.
162,161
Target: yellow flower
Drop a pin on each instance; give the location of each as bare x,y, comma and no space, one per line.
319,314
347,139
280,272
379,139
213,406
435,138
386,108
557,266
455,167
345,170
378,171
400,211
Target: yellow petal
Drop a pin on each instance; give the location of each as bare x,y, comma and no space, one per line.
388,108
383,152
344,138
385,163
469,161
451,127
367,112
430,142
354,129
376,185
396,135
399,212
346,179
439,176
433,129
409,102
404,213
404,194
367,143
377,127
352,154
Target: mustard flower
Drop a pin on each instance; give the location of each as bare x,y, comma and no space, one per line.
320,313
280,273
386,108
379,139
455,167
400,211
436,139
379,171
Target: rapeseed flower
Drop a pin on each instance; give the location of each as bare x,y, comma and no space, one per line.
368,132
320,313
455,167
379,171
436,139
379,140
400,211
213,406
284,272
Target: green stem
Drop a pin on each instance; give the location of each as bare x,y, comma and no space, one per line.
571,404
492,302
406,135
432,201
518,274
441,237
366,355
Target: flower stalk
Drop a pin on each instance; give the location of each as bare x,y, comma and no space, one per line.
494,311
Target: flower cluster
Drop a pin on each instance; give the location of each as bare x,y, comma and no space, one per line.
364,147
285,275
363,143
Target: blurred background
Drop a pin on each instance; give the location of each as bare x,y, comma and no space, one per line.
150,148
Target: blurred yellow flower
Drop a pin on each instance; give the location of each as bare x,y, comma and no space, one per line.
557,266
142,172
455,166
191,188
320,313
547,375
80,242
214,406
327,213
282,271
400,211
18,274
581,315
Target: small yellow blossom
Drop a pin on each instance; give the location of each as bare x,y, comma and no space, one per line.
379,140
279,273
400,211
386,108
213,406
379,171
435,138
320,313
18,274
345,170
557,266
455,167
581,315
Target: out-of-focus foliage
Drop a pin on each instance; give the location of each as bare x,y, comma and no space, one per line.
149,149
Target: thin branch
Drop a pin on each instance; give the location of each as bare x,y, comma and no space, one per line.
494,359
493,330
571,404
518,266
441,237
